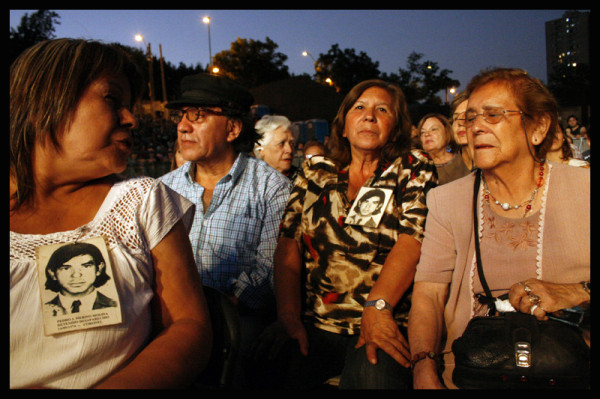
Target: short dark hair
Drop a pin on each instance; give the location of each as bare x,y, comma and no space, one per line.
371,193
69,251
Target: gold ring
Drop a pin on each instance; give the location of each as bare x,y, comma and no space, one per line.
534,299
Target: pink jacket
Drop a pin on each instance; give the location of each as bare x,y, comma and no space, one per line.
448,247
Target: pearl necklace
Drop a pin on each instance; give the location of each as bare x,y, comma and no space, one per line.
505,205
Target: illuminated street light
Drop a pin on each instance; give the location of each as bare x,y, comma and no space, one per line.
306,53
206,20
140,38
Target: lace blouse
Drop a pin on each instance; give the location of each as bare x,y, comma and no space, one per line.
134,217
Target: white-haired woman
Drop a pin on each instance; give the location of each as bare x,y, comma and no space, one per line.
276,147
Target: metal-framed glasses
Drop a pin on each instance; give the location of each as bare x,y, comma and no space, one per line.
192,114
490,115
459,117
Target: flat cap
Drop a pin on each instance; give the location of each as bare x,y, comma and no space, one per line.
213,91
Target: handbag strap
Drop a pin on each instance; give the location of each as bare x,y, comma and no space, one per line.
488,297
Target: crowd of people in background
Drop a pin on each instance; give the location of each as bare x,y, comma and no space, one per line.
155,144
349,262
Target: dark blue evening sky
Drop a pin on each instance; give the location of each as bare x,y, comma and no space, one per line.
464,41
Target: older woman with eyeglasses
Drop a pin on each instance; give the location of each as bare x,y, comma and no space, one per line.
530,246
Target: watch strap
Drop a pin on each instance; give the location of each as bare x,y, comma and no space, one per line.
374,303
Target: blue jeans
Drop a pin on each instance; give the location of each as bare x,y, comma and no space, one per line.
331,355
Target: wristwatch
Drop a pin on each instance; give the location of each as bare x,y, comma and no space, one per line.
379,304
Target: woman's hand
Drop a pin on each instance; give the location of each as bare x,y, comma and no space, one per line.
538,297
296,330
379,331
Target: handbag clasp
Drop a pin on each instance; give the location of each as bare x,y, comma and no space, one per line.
523,354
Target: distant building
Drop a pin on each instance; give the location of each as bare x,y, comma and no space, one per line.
568,41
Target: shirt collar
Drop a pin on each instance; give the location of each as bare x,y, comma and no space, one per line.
234,173
87,301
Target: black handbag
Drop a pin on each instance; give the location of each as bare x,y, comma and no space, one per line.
516,350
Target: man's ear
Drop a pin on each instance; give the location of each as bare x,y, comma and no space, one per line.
234,128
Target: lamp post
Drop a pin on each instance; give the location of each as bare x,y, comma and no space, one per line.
450,90
140,38
162,75
307,54
206,20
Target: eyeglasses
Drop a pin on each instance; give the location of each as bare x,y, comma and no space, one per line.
490,115
192,113
459,117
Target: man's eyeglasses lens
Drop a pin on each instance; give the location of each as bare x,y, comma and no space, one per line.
191,113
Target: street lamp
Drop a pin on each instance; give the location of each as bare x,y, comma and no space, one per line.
307,54
140,38
206,20
450,90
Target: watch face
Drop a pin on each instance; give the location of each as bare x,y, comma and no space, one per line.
380,304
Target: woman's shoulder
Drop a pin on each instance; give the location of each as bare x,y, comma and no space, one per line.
320,168
569,173
461,188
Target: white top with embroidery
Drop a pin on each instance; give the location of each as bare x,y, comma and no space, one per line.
135,216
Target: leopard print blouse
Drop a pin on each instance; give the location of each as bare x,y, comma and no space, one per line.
342,261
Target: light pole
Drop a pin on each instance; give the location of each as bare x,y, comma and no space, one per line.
450,90
206,20
307,54
162,75
140,38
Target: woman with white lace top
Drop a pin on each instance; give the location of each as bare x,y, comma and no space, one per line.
70,135
533,220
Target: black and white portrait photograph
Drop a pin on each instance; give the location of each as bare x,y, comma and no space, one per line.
76,286
368,206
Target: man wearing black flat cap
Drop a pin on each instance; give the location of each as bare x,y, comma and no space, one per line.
239,199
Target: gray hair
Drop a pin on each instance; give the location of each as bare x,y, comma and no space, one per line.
266,126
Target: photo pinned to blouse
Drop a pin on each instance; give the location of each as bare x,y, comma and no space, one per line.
368,207
77,287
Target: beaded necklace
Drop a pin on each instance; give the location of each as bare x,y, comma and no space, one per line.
505,205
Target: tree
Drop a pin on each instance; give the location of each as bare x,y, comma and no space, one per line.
422,81
345,68
32,29
252,62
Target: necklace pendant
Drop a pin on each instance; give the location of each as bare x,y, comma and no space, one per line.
506,206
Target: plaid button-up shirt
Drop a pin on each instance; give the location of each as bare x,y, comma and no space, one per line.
234,239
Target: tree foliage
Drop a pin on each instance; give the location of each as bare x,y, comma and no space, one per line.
422,80
252,62
33,28
345,68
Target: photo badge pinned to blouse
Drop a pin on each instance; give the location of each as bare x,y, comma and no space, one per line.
77,286
369,206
